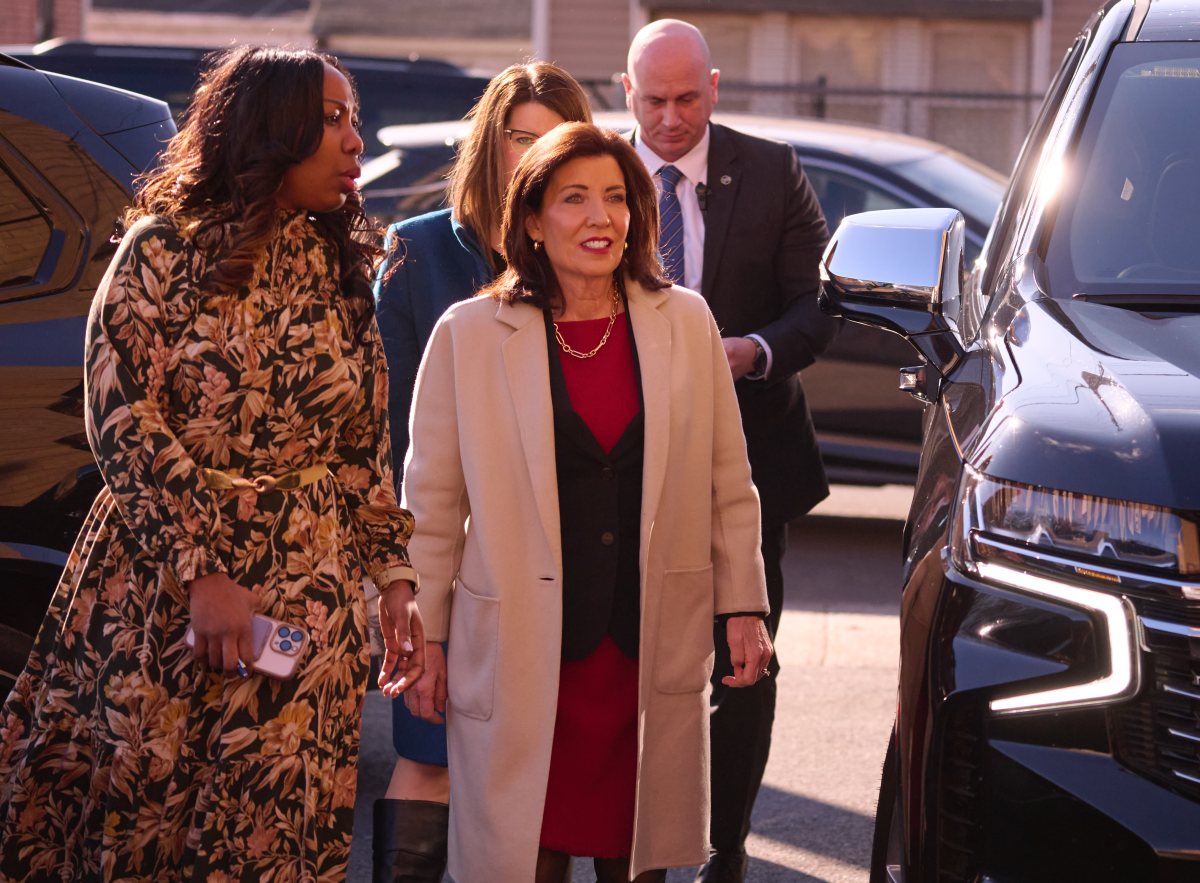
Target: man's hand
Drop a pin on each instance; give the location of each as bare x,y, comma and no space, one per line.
403,639
749,650
221,612
739,352
428,699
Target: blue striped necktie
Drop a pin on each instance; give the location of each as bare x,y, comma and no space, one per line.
670,219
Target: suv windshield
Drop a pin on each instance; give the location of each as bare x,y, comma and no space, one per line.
1126,225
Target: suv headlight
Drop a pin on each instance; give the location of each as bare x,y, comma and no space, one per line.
1070,549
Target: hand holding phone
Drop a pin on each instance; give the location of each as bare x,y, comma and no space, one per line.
278,646
221,613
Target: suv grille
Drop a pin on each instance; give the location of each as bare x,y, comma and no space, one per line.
1158,735
1173,611
960,832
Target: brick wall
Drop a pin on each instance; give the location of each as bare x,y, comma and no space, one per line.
19,22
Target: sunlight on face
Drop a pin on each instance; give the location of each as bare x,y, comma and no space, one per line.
584,220
322,181
671,91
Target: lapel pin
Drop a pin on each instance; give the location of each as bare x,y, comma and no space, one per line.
726,179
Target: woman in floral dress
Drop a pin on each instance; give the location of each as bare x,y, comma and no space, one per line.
232,340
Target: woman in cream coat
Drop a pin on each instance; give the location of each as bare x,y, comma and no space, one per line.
481,481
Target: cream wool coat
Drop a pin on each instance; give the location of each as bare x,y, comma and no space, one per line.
480,481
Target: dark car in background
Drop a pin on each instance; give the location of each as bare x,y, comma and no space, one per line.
69,151
391,90
1048,723
869,431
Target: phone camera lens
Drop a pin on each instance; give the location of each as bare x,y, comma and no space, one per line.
284,631
285,646
297,637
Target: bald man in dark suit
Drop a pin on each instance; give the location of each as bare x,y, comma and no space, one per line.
742,226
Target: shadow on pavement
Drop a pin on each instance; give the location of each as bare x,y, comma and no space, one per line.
820,828
815,571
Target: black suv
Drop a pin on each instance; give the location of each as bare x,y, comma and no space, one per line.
69,151
391,90
1048,724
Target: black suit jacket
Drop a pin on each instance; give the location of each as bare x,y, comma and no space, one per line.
764,236
599,510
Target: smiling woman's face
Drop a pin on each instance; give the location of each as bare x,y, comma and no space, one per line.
584,220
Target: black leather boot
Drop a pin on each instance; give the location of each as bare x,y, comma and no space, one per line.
724,867
408,843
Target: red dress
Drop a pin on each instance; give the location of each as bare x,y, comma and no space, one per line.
593,764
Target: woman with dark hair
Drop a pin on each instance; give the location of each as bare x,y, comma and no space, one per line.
236,404
441,258
583,511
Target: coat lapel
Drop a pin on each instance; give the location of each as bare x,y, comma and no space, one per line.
722,168
527,370
652,331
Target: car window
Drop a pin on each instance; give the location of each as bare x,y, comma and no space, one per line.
842,194
1026,167
24,233
389,98
960,182
406,182
1127,222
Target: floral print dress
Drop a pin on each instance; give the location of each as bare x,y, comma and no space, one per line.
121,757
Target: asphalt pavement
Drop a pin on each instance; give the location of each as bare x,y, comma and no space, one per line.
838,646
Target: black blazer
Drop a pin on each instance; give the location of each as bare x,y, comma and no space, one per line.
599,505
764,235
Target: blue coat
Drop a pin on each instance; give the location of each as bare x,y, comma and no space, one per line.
438,262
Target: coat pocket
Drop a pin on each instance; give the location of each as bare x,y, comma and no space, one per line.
683,659
471,662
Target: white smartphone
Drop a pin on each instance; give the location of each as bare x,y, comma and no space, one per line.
277,646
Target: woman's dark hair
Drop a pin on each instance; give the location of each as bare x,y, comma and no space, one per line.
530,276
256,112
477,181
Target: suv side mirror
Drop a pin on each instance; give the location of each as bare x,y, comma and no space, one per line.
901,270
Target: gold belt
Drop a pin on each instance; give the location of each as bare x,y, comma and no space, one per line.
263,484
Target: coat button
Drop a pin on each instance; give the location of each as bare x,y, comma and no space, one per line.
607,472
607,538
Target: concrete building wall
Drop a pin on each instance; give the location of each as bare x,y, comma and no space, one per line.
594,37
196,29
877,54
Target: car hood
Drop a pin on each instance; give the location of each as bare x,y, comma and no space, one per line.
1097,399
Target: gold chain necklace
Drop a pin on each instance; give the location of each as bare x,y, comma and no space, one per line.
612,319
